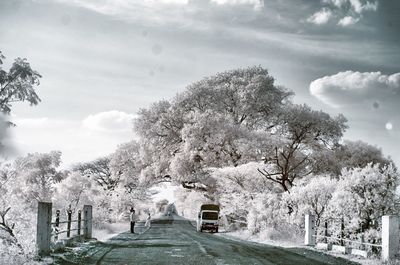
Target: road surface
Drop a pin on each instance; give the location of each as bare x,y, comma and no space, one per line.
174,240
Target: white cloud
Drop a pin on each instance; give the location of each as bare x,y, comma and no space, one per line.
258,4
175,2
320,17
358,6
100,135
351,9
109,121
347,21
347,88
124,8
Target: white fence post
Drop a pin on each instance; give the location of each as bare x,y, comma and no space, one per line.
390,236
87,221
309,239
43,232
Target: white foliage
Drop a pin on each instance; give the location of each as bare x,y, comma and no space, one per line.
312,196
365,194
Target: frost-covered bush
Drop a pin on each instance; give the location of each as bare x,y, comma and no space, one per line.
18,220
363,196
311,195
360,197
238,191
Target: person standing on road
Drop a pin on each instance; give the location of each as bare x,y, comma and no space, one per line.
148,221
132,219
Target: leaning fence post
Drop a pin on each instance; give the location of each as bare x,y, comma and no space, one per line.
87,221
309,239
390,236
79,222
43,232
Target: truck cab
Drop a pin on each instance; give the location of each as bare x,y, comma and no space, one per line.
208,217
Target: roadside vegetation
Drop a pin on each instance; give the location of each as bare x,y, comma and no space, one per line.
235,138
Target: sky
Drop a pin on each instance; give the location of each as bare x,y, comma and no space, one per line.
103,60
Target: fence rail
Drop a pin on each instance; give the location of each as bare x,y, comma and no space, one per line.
390,236
348,240
46,228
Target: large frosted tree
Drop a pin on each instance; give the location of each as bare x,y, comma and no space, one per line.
222,120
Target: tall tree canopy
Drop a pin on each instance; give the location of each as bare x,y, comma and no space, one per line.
229,119
303,132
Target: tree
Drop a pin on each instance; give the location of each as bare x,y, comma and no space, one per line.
125,165
7,177
246,96
365,194
99,170
311,196
216,117
17,84
37,174
303,131
74,190
349,154
238,191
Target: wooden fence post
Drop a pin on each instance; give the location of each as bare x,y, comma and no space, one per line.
310,230
87,221
390,237
79,222
326,232
69,219
342,232
362,241
43,232
57,225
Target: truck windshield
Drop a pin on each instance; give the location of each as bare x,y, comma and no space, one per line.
210,215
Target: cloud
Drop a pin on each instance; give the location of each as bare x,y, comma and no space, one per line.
95,136
350,11
320,17
347,21
358,6
257,4
109,121
348,88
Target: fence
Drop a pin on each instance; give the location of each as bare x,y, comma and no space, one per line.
389,245
46,228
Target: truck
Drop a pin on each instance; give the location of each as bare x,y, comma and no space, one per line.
208,217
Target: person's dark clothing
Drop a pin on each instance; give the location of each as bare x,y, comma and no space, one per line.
132,227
